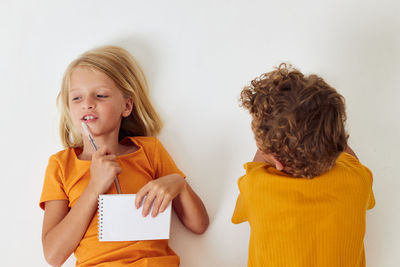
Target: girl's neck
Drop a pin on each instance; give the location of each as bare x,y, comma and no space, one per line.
112,144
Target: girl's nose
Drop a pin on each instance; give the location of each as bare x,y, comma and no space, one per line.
88,104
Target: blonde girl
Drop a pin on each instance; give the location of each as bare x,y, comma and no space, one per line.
106,89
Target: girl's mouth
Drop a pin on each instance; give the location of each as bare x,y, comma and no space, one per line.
88,118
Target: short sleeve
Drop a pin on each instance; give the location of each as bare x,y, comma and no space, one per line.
364,171
53,188
240,212
371,200
371,197
163,163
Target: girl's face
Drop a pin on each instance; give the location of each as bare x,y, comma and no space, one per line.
95,99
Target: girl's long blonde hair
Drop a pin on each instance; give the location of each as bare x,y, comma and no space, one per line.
122,67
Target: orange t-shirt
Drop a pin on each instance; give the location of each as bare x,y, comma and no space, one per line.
67,177
298,222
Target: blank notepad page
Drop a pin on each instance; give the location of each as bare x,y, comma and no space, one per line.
119,220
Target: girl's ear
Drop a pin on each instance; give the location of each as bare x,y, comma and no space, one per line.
128,107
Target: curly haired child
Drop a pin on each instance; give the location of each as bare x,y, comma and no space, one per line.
305,194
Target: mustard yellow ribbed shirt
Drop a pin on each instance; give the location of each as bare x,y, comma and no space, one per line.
299,222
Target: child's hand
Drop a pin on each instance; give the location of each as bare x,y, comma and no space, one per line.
161,191
103,170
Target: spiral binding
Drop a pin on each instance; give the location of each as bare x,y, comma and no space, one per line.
100,218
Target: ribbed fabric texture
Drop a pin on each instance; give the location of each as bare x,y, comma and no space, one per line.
299,222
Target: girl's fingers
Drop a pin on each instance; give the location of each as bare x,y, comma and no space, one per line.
140,195
114,164
157,204
118,169
165,203
148,201
101,152
110,157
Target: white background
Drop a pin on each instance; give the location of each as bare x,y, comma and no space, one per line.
197,56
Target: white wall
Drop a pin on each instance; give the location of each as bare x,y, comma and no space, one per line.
197,56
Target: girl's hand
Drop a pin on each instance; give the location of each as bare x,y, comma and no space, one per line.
161,191
103,170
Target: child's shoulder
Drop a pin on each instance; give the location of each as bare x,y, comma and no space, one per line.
345,163
64,156
348,158
260,172
146,142
150,144
351,164
64,153
262,168
251,167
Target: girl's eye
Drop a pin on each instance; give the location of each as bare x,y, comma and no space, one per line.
75,98
102,96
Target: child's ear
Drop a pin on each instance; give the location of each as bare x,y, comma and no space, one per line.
278,165
269,158
128,107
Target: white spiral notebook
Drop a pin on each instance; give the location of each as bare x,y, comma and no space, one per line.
119,220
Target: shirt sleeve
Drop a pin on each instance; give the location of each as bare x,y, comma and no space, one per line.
53,188
163,163
371,200
366,172
240,212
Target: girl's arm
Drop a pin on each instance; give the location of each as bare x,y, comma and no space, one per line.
190,210
187,205
63,229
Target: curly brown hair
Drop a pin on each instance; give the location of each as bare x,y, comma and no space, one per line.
298,119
